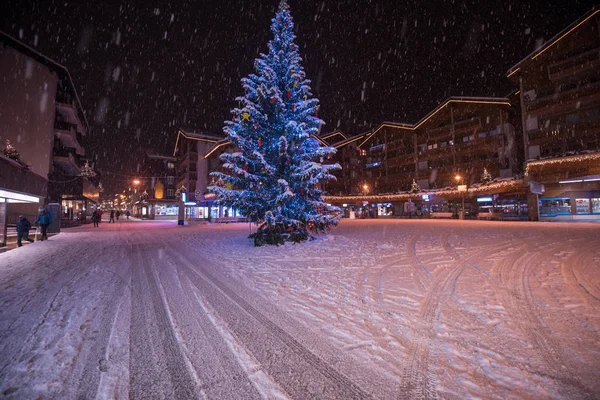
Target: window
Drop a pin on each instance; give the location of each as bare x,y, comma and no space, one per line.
465,138
572,118
582,206
170,180
170,192
592,114
481,135
596,206
171,165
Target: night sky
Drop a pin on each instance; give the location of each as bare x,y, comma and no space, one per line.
146,68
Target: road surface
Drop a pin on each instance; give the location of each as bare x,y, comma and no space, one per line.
377,309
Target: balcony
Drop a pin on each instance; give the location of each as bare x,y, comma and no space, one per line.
66,161
586,61
552,97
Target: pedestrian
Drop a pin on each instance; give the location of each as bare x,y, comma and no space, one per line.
95,218
100,212
128,214
112,216
23,227
118,214
44,219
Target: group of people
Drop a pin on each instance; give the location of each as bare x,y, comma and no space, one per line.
44,219
97,216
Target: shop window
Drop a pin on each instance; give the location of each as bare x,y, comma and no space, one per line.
582,206
551,207
596,206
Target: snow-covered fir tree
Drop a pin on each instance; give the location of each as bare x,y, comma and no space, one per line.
10,151
486,176
274,175
415,188
87,171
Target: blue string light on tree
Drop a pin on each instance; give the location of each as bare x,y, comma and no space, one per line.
274,179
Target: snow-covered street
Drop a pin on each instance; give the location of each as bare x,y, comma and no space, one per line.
374,309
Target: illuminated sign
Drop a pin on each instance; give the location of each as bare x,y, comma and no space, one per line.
484,199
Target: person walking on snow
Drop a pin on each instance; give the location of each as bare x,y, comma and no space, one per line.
128,214
112,216
118,214
44,219
95,218
23,227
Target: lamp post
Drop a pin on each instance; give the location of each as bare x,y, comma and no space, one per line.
462,189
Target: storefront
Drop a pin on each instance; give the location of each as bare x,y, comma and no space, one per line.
165,211
574,205
210,211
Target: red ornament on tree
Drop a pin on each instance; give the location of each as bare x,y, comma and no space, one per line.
272,100
289,93
317,112
259,142
293,107
246,167
301,191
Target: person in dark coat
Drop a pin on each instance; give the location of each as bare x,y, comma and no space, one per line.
112,216
118,214
23,227
95,218
44,219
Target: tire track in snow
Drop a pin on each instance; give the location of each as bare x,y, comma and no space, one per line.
572,271
517,298
417,381
96,362
421,276
155,371
287,367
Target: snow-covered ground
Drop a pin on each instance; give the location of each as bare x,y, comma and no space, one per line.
376,308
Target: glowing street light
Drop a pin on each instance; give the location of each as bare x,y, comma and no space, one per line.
136,182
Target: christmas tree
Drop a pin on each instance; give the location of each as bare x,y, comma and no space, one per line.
10,151
273,177
415,188
486,177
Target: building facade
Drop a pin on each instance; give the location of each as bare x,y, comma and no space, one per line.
38,101
559,90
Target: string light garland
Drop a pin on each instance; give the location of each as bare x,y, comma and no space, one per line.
561,160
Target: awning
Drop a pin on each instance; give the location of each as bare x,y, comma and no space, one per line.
17,197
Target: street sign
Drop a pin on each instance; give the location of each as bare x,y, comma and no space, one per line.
462,188
536,187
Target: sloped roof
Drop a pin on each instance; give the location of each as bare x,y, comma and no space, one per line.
365,136
560,35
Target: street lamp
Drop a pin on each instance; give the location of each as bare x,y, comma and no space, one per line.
462,190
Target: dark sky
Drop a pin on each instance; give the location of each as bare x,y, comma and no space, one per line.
146,68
